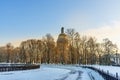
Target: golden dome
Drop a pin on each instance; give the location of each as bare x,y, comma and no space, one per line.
62,38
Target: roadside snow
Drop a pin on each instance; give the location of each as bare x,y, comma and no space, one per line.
37,74
50,72
94,75
111,69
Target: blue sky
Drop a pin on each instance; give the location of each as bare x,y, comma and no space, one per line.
23,19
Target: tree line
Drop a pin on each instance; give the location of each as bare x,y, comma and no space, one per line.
74,49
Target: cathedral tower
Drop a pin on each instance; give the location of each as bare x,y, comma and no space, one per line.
62,47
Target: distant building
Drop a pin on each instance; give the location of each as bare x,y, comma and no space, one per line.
115,59
62,47
62,38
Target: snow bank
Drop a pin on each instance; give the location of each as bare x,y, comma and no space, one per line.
43,73
112,70
50,72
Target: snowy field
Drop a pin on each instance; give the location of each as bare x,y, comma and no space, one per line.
111,69
52,72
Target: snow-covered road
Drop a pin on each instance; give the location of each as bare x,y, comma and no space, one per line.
52,72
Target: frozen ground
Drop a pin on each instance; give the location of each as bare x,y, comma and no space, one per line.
52,72
111,69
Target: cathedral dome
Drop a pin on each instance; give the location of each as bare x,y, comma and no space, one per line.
62,38
62,47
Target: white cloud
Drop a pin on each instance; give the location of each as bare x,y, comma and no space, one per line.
16,43
111,31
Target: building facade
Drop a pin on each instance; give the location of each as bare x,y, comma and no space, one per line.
115,59
62,47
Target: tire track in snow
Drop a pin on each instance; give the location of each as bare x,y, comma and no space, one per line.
79,75
68,76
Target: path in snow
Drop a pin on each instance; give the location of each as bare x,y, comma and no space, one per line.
73,75
50,72
94,75
78,73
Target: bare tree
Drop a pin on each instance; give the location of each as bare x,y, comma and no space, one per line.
49,47
92,56
9,49
84,50
108,49
77,44
71,36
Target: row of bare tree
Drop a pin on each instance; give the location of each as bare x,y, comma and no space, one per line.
79,50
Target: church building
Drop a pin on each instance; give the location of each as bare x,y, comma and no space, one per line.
62,47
